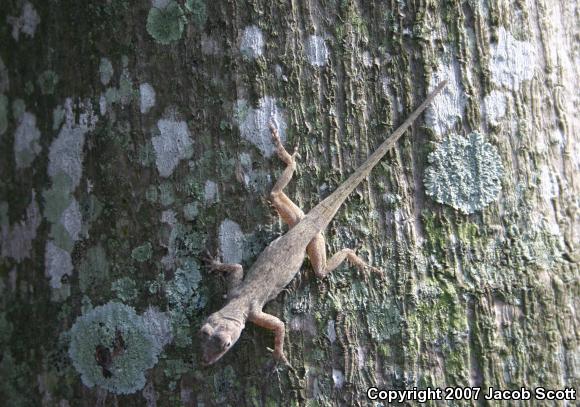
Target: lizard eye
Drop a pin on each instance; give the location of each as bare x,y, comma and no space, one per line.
227,345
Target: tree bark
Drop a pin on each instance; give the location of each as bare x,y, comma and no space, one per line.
133,137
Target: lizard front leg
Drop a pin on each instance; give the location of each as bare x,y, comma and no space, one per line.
317,254
268,321
234,273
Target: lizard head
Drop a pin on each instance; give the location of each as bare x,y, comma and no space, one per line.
218,335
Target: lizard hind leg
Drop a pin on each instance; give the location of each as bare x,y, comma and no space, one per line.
317,254
288,210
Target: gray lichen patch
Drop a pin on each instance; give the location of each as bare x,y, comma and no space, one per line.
171,145
159,326
254,123
254,180
165,24
26,141
94,268
448,106
147,97
61,208
252,43
231,241
316,51
464,173
112,347
26,23
3,114
72,220
4,78
16,240
210,192
58,263
495,107
106,71
512,61
65,155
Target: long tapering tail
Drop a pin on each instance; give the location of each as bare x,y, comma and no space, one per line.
322,214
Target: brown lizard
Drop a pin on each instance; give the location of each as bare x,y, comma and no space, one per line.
277,265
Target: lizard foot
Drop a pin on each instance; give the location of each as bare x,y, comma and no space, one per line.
280,358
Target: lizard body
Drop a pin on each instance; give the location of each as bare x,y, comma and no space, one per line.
277,265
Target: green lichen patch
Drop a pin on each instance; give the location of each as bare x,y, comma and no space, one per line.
464,173
142,253
183,291
197,10
47,82
125,288
190,211
112,347
166,24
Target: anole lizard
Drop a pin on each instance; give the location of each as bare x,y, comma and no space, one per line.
277,265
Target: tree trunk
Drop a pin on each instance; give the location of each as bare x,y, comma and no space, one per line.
133,137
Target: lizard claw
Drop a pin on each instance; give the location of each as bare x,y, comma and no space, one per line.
210,260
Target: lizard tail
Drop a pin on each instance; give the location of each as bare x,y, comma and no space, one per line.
322,214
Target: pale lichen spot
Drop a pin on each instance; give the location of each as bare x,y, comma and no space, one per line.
26,23
495,107
548,184
449,105
367,60
147,94
102,104
171,145
464,172
231,241
316,51
254,123
252,42
209,46
72,220
106,71
26,141
210,192
512,61
337,378
58,263
331,331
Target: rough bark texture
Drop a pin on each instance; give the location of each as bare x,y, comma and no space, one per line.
133,136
